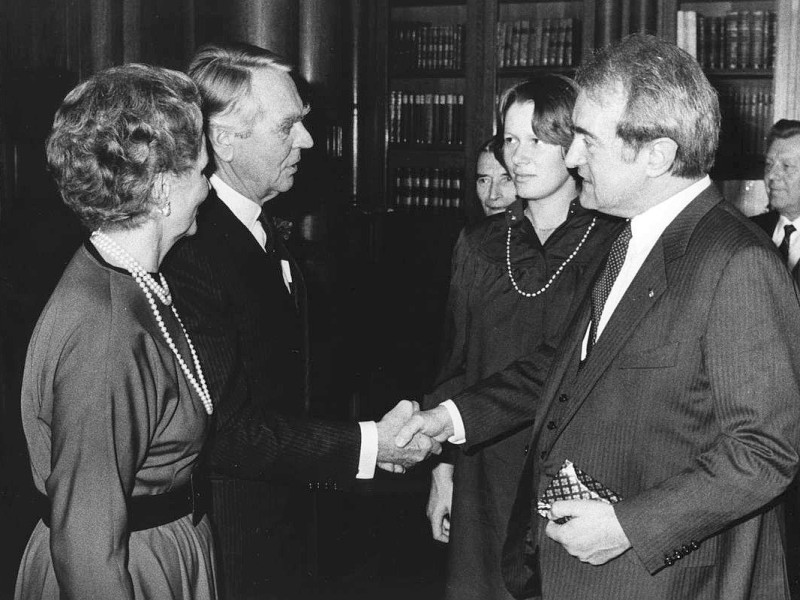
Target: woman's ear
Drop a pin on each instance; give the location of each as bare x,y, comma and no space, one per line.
161,191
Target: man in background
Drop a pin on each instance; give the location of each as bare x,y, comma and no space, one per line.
242,299
782,180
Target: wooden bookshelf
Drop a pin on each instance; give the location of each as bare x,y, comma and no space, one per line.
736,44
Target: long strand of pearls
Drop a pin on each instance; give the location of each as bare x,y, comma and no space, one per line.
558,271
149,286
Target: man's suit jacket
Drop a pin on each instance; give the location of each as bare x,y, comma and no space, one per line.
246,328
688,406
767,221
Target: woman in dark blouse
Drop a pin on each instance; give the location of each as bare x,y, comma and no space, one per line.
517,279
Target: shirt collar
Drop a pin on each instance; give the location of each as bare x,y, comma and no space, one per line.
783,221
515,212
242,207
649,225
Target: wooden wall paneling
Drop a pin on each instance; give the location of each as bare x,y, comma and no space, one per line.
107,37
351,135
372,107
272,25
480,74
132,31
787,61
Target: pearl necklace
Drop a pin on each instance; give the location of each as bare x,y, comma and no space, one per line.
149,285
558,270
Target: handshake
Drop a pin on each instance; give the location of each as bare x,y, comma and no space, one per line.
407,436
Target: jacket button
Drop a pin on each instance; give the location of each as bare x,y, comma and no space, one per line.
563,398
668,560
551,425
525,450
694,545
543,454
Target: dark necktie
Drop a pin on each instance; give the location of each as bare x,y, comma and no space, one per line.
269,230
788,230
602,287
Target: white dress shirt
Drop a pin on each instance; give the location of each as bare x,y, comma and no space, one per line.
248,212
646,228
794,241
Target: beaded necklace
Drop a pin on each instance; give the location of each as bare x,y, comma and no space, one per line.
148,286
558,270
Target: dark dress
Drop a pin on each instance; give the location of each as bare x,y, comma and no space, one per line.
489,324
108,414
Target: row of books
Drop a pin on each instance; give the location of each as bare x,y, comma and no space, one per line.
425,47
743,39
430,189
436,119
746,119
537,43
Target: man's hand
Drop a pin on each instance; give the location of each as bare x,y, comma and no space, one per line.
440,501
397,459
435,423
592,532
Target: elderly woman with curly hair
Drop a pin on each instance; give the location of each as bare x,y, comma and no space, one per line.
114,404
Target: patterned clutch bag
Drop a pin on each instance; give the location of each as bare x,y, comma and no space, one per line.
573,484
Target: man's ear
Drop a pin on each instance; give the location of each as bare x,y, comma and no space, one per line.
221,141
661,156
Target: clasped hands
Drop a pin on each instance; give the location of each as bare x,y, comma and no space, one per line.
407,436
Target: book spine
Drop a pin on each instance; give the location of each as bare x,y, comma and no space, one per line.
546,43
731,41
771,39
508,44
500,40
702,44
515,39
569,44
743,25
535,44
524,40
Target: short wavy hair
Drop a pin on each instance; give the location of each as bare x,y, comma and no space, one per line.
224,74
115,133
667,96
553,98
783,130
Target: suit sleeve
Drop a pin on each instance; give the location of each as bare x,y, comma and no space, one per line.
250,441
751,362
505,401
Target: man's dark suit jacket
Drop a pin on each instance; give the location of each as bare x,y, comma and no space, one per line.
248,331
767,221
688,406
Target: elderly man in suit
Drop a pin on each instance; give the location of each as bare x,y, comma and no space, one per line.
677,385
242,298
782,180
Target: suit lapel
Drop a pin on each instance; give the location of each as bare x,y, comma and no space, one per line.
649,284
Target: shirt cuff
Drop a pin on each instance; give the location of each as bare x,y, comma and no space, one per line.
459,435
368,456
